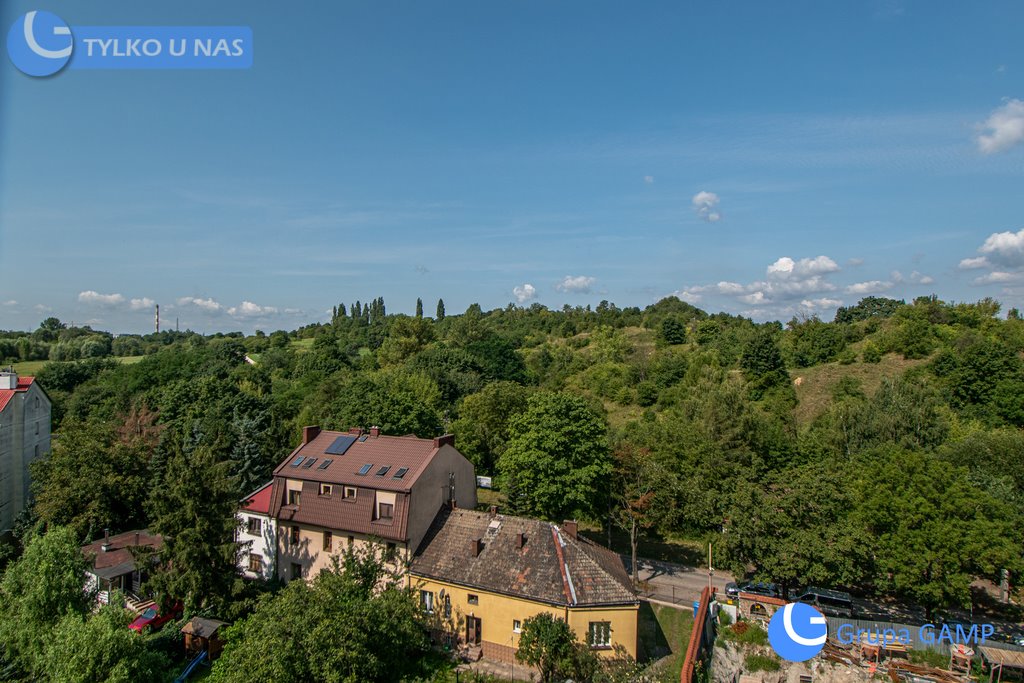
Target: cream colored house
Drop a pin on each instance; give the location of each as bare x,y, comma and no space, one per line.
484,574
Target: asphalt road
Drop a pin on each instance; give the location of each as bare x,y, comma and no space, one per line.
682,585
675,583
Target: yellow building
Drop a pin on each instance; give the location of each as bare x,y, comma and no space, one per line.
483,574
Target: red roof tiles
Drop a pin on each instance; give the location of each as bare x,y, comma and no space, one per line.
259,500
7,394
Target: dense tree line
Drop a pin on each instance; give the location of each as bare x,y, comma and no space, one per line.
904,476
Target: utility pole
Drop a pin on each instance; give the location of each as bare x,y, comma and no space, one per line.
711,570
158,318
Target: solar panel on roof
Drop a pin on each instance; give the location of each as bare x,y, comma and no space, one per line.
298,461
383,470
363,438
309,463
340,445
325,464
400,473
365,468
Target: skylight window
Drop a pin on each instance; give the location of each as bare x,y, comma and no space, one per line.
298,461
365,468
325,464
400,473
383,470
309,463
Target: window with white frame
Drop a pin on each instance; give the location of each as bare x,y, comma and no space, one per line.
427,601
517,626
600,634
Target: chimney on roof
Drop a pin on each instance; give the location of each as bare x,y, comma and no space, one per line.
8,380
309,433
476,546
136,539
569,527
446,440
520,540
493,510
106,540
375,431
357,431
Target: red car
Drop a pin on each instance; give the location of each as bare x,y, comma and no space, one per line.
152,619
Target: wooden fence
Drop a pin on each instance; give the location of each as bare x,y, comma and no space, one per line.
702,638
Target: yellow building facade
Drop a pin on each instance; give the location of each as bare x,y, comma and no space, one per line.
483,575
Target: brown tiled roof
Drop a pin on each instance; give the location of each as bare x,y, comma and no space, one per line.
379,451
588,575
118,560
334,512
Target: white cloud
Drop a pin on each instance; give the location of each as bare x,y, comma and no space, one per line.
818,304
855,262
578,284
208,305
11,302
1005,248
91,297
141,304
730,288
971,263
248,309
691,295
788,282
705,204
524,293
755,299
1003,129
869,287
786,268
649,179
921,279
997,277
42,308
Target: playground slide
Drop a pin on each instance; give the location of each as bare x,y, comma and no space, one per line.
191,666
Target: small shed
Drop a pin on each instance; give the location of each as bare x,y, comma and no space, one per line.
201,636
998,658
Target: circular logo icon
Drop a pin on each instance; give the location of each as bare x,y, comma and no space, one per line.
40,43
797,632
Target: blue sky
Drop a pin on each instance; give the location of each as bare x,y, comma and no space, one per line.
768,159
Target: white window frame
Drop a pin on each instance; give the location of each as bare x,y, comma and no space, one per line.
599,633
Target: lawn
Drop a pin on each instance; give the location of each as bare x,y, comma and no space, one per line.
31,367
664,632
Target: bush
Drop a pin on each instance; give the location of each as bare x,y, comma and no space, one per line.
871,353
761,663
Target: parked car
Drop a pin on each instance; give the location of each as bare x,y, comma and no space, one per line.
732,589
829,602
152,619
